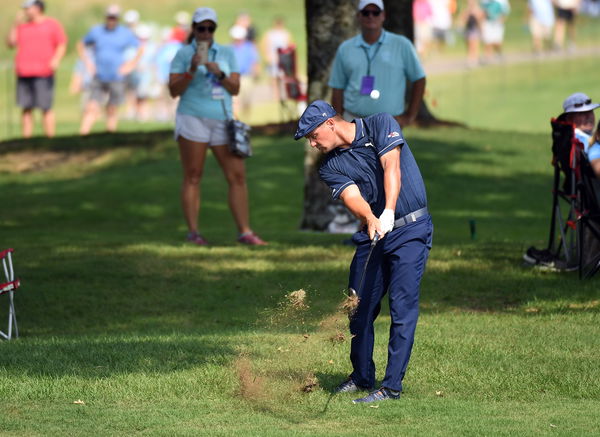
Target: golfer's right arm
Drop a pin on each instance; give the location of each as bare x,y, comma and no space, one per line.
178,82
360,208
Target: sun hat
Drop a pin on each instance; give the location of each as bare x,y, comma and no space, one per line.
315,114
579,102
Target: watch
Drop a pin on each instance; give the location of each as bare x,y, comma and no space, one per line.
222,76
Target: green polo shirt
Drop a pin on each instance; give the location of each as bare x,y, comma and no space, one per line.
393,61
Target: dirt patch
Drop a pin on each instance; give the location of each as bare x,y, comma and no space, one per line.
349,305
37,160
252,386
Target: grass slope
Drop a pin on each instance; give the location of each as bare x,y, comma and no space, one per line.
160,338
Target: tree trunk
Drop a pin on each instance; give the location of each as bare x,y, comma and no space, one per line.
328,24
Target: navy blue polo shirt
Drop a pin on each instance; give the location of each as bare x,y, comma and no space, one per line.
360,165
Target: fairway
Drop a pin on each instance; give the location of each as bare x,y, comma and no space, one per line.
157,337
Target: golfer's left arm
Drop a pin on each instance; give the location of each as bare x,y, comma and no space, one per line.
361,209
391,177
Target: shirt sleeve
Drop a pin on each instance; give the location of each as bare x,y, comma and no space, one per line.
180,62
338,78
594,152
90,37
412,65
59,34
335,180
388,135
133,41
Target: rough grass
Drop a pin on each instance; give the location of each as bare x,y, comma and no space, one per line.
157,337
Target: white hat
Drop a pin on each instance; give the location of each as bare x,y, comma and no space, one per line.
579,102
143,31
202,14
238,32
182,17
364,3
113,11
131,16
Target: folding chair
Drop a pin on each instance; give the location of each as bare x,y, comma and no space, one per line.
574,237
290,88
9,288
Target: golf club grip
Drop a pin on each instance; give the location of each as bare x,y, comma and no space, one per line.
375,239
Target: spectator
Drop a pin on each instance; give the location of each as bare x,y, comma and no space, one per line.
245,20
361,81
541,21
41,44
181,30
146,85
492,28
110,42
205,103
441,21
579,110
164,56
471,19
277,37
247,59
566,15
422,13
594,151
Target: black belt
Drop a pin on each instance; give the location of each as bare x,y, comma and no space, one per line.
410,218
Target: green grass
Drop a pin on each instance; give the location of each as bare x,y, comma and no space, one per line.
160,338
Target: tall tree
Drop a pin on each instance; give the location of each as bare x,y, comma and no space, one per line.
328,24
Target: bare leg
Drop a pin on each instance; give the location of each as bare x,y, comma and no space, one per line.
27,122
235,173
89,117
49,123
112,118
193,156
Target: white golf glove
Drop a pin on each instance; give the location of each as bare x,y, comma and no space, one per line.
386,219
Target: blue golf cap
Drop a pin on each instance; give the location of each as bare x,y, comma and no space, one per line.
316,113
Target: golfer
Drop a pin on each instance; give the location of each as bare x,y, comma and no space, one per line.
371,168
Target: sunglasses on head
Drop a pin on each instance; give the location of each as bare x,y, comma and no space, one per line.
579,105
202,29
373,12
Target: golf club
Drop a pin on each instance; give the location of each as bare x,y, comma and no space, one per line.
351,291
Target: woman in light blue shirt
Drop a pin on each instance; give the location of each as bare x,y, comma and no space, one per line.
204,91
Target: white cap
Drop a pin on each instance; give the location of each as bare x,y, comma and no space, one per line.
113,11
364,3
182,17
131,16
143,31
238,32
579,102
202,14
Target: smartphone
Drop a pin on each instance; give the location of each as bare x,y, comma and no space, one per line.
202,51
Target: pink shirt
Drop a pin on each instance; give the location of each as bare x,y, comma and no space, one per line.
36,45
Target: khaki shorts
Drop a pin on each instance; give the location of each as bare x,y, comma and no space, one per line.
201,129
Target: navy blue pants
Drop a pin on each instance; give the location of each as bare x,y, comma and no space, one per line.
396,267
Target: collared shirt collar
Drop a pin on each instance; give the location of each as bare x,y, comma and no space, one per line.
360,42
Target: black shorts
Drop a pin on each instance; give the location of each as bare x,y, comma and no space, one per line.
35,92
565,14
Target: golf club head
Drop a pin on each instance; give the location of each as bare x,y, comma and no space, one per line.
352,292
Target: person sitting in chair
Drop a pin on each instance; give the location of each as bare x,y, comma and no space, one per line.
579,110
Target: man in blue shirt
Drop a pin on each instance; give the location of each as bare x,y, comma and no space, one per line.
110,41
371,169
370,71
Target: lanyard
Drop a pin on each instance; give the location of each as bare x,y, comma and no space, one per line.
370,59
